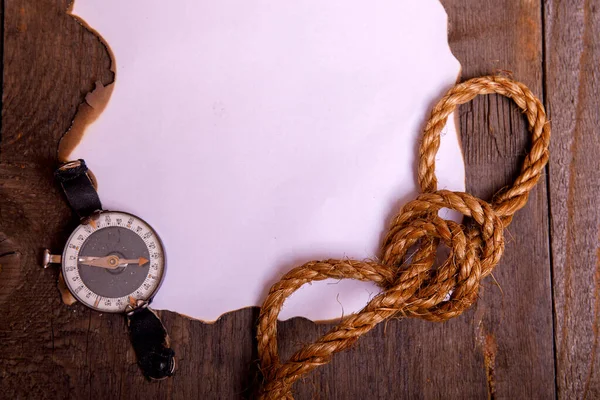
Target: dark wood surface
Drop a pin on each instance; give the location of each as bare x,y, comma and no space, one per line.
532,334
572,76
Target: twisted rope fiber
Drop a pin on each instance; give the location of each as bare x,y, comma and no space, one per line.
412,285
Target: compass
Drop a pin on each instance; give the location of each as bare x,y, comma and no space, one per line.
113,262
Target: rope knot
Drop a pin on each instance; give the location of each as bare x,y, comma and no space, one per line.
440,291
412,282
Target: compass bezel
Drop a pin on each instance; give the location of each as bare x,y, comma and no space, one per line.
147,298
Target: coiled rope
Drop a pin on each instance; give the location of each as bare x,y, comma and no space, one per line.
412,285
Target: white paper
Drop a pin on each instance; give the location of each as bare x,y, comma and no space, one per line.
256,135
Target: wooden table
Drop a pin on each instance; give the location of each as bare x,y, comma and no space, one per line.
532,334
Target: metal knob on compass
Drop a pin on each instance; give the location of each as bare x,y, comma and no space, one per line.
48,258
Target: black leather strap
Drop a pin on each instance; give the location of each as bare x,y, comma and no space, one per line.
78,187
151,343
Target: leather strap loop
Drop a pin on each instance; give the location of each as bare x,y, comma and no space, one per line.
151,344
79,188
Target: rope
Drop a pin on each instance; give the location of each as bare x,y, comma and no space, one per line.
412,285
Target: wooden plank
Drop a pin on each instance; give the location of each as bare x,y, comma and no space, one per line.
512,321
49,63
573,90
501,348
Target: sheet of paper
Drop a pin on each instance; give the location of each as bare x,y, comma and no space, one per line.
256,135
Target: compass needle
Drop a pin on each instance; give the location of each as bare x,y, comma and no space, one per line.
139,261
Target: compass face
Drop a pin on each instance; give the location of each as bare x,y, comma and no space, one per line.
115,263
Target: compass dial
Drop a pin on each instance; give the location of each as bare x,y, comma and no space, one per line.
113,262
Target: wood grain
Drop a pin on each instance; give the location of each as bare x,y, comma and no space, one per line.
573,90
513,319
502,348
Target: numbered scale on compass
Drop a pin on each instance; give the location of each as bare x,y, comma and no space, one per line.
114,261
